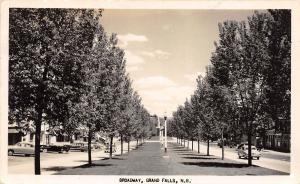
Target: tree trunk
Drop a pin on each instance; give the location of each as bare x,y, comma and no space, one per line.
222,145
198,146
89,147
110,147
128,148
192,144
207,147
121,144
249,144
37,166
38,122
137,143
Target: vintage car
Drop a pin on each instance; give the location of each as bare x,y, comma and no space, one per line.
55,148
243,152
23,148
81,146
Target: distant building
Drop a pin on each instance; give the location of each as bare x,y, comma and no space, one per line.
14,134
154,121
279,137
48,136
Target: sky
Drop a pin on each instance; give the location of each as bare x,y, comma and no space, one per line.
166,50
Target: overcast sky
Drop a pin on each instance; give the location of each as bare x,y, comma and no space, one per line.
166,50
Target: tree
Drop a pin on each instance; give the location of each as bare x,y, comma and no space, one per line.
189,122
46,47
178,119
125,112
240,60
208,122
278,70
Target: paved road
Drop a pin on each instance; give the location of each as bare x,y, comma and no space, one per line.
53,162
271,160
150,159
265,153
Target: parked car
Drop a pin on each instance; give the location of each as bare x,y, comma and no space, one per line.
260,147
82,146
55,148
243,152
23,148
240,145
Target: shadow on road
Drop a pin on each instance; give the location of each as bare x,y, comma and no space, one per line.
196,155
180,150
216,164
56,168
199,157
61,168
93,165
113,158
177,147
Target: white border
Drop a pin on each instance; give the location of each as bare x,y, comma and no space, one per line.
109,4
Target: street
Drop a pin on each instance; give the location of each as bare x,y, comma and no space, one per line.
53,162
269,159
150,159
91,78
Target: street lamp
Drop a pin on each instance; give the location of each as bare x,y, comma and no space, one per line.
159,128
166,133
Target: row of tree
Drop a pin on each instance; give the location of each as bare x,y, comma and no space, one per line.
65,71
247,86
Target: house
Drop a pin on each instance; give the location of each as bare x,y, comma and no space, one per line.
20,134
279,136
48,135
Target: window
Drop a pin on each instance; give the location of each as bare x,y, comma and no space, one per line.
31,137
59,138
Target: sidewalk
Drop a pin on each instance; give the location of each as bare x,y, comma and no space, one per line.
276,152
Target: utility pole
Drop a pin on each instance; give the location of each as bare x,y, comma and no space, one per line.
166,146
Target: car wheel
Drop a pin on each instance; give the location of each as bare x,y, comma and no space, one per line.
257,158
27,155
240,157
10,152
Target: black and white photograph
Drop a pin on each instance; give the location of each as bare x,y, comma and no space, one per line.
146,95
